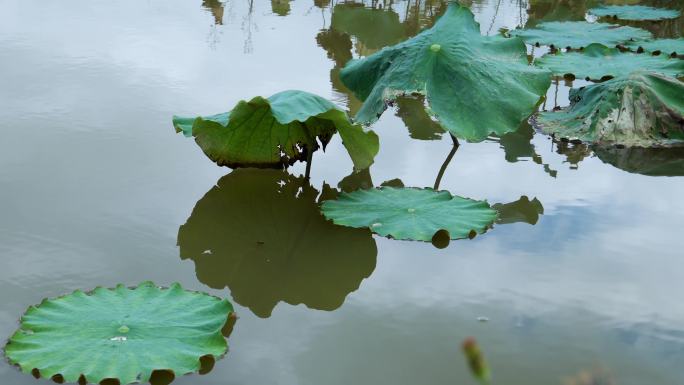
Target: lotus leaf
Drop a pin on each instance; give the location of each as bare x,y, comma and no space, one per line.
579,34
277,131
665,46
260,233
635,12
410,213
123,334
642,109
461,72
597,62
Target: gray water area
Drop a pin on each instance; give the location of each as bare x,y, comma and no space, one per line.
95,185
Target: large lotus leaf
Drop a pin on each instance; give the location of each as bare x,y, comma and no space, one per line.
462,73
642,109
657,161
410,213
277,131
374,28
665,46
635,12
598,61
260,233
122,334
579,34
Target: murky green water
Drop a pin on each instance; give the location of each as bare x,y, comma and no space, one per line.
95,186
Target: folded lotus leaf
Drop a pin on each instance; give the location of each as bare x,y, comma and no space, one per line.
121,334
598,62
635,12
642,109
579,34
410,213
277,132
475,85
665,46
260,233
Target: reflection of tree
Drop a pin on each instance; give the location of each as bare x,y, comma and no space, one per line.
259,232
280,7
216,9
248,25
558,10
574,152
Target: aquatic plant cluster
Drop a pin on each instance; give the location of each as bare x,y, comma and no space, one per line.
452,72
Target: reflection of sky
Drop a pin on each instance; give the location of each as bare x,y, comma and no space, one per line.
94,184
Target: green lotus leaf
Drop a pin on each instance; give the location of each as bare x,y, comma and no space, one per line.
457,69
410,213
657,161
123,334
259,232
597,62
579,34
635,12
277,132
642,109
666,46
364,23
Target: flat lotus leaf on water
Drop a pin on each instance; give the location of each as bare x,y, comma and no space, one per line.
664,46
579,34
635,12
277,132
597,62
458,70
259,232
410,213
642,109
657,161
123,334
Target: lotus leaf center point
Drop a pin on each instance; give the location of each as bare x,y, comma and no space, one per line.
435,47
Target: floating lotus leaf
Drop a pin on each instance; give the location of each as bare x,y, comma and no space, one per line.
462,73
579,34
366,23
123,334
410,213
665,46
635,12
642,109
260,233
597,62
277,131
657,161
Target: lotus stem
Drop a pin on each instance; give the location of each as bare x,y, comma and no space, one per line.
446,162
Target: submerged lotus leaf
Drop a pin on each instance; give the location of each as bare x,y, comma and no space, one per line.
579,34
410,213
259,232
123,334
635,12
642,109
597,62
664,46
277,132
475,85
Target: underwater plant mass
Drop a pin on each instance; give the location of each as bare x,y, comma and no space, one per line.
393,192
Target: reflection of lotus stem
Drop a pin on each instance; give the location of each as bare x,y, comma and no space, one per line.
446,162
309,158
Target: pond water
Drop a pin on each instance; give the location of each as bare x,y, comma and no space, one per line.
95,186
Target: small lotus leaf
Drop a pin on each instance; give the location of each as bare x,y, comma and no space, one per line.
665,46
597,62
462,73
635,12
122,334
642,109
410,213
277,131
579,34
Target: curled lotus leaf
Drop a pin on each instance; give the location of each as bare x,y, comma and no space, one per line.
260,233
461,72
120,334
597,62
673,47
277,131
635,12
579,34
410,213
642,109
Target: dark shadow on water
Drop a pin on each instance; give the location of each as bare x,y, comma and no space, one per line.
260,233
644,161
523,210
